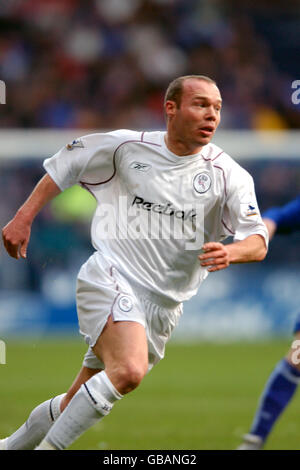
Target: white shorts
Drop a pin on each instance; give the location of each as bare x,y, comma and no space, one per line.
102,291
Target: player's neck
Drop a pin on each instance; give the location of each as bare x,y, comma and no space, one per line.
181,148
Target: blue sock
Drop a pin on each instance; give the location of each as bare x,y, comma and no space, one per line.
277,394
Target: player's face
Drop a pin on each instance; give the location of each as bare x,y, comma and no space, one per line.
195,121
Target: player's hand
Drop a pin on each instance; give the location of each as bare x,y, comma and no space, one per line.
16,236
215,256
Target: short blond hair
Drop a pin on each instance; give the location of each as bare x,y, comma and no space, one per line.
175,88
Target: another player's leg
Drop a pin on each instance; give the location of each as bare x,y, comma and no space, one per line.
278,392
40,420
122,346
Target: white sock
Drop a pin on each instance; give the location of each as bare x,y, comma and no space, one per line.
40,420
93,400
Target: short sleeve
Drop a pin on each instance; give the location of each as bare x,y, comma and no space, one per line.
89,159
241,213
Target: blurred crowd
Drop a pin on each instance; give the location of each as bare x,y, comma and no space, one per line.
105,64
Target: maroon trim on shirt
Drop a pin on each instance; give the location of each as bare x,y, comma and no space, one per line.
119,292
111,274
227,227
212,159
84,185
210,151
225,190
218,155
114,156
224,179
113,304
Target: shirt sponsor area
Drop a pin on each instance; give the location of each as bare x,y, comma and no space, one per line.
165,209
140,219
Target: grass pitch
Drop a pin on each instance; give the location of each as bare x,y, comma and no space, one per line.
201,396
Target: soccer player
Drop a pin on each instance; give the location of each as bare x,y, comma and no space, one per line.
149,186
284,380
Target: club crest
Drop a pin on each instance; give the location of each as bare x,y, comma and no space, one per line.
202,183
125,303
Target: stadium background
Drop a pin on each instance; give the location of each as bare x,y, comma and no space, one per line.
72,67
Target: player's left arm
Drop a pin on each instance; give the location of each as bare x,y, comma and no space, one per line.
240,218
217,256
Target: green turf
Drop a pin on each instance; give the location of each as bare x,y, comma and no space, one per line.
201,396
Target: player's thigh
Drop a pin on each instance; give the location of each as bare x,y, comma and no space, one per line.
293,356
84,374
123,344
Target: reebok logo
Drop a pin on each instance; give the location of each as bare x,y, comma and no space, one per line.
140,166
165,209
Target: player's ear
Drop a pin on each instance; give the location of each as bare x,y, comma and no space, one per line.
170,108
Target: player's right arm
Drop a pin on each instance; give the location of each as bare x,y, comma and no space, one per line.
89,159
16,233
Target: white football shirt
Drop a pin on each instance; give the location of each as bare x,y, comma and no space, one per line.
156,209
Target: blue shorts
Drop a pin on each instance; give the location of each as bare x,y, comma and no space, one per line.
297,324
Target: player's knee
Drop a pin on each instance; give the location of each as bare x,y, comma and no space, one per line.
130,376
